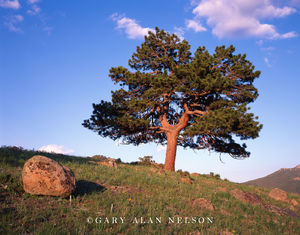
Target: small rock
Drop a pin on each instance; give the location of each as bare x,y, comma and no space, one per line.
292,208
194,174
111,163
157,165
107,162
4,186
294,202
222,189
278,194
226,233
203,203
99,157
195,233
186,180
224,212
251,198
275,209
44,176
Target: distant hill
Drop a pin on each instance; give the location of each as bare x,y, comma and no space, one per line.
287,179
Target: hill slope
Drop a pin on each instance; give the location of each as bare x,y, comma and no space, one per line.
287,179
139,199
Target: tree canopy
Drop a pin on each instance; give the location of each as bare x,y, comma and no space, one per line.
169,96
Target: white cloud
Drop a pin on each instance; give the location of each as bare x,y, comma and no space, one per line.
295,3
260,42
34,10
12,21
33,1
131,27
268,49
267,62
194,25
48,30
289,35
52,148
14,4
161,148
242,18
179,31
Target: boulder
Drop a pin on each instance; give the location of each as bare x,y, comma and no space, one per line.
278,194
44,176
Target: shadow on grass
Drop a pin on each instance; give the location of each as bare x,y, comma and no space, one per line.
85,187
7,211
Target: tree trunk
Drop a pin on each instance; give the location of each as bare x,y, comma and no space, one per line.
171,151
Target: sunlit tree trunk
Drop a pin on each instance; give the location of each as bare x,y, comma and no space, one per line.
171,151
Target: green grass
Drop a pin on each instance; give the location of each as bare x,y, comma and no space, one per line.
131,191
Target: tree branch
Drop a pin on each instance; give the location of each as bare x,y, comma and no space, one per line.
193,112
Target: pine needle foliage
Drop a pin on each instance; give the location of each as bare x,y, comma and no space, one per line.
201,99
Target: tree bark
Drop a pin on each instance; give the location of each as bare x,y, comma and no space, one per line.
171,151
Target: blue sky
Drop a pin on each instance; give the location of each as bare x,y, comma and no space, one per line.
55,57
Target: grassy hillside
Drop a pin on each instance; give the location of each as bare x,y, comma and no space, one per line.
132,192
287,179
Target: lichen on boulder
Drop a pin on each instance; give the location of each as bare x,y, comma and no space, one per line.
44,176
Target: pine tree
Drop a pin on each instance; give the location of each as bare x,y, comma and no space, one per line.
170,97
